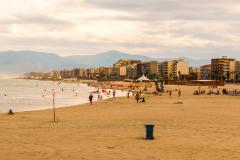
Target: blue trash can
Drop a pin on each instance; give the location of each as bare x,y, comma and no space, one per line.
149,131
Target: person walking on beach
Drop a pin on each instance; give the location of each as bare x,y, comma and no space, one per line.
128,94
90,98
170,93
179,93
10,112
137,97
114,93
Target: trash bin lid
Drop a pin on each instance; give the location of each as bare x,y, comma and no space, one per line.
149,124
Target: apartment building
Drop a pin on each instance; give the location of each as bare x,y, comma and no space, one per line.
223,68
206,72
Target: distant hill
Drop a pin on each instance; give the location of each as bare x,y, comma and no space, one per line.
110,57
26,61
106,58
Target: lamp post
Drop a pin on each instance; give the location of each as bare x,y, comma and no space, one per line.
53,103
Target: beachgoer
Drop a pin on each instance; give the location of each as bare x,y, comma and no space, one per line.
137,97
145,88
142,97
128,94
179,93
170,93
90,98
114,93
10,112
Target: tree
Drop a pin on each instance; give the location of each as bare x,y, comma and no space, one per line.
228,76
170,76
237,77
179,75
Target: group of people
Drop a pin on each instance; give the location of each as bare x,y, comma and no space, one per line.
100,97
234,92
139,96
179,92
199,92
212,90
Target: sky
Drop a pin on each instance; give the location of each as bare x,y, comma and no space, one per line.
155,28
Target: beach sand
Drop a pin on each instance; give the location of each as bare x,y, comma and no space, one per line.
201,128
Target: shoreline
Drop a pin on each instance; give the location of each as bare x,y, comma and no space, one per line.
148,93
96,102
65,107
46,107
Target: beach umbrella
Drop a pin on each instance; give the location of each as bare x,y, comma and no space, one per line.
143,79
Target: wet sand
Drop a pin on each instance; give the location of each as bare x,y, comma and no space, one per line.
202,127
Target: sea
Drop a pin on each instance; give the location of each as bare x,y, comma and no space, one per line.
28,95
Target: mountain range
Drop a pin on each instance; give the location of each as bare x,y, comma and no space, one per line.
12,62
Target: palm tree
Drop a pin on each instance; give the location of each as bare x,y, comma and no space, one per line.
179,75
170,76
228,76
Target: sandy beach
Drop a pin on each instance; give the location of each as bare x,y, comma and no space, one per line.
203,127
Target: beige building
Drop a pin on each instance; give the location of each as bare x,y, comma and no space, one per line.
194,73
125,62
237,71
149,69
55,75
153,67
132,71
160,69
123,71
167,69
104,73
206,72
180,69
223,68
67,73
175,69
120,67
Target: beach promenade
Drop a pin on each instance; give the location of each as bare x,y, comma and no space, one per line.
201,127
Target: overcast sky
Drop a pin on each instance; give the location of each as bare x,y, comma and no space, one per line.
157,28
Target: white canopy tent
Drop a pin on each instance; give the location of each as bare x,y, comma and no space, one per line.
143,79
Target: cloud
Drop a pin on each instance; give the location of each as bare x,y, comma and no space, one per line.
191,28
35,19
173,9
